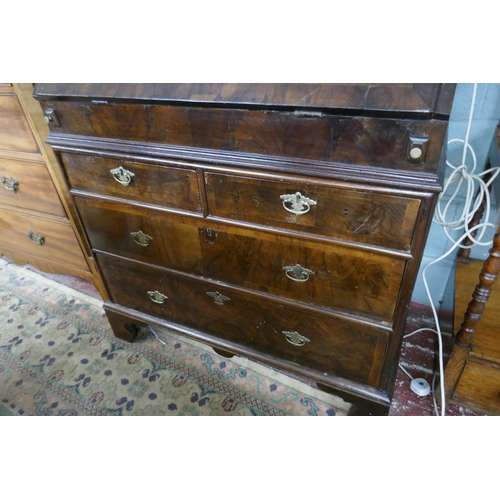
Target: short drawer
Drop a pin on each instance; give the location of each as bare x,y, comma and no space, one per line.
147,235
322,342
322,274
28,185
154,184
357,215
42,238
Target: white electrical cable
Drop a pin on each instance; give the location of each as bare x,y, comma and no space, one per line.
402,368
459,175
156,335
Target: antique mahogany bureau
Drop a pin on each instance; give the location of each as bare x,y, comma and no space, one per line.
281,222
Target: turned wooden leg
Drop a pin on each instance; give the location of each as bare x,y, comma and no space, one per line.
464,336
124,328
475,309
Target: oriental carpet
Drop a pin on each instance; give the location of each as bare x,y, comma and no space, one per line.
58,356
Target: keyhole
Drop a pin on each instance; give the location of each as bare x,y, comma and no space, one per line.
256,199
346,211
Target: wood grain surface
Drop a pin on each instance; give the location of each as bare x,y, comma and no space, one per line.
399,97
335,345
60,243
358,215
36,190
340,139
154,184
345,279
15,133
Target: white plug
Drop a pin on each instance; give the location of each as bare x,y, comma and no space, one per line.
420,387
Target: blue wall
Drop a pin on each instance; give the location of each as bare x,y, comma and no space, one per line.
485,120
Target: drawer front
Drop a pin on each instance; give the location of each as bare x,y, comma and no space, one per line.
21,232
354,215
15,134
28,185
342,139
154,184
331,345
322,274
167,240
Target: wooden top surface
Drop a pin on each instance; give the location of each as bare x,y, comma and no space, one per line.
416,98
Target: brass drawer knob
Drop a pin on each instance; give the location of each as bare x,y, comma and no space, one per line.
219,299
295,338
297,273
37,238
11,184
141,238
122,176
157,297
297,203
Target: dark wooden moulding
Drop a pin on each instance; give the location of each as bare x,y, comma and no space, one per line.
209,161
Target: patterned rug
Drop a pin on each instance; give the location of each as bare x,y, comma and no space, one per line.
58,356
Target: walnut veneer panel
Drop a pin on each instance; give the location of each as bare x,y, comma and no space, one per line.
345,279
400,97
155,184
346,140
364,216
334,345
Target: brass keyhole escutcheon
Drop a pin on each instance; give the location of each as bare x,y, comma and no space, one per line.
219,299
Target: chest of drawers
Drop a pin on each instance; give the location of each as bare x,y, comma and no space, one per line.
281,222
35,208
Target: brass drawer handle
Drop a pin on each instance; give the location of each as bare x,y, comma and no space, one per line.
295,338
122,176
141,238
297,203
10,184
37,238
157,297
219,299
297,273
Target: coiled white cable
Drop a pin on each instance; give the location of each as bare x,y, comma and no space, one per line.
461,174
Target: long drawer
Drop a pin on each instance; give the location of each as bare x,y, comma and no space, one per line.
43,238
323,342
148,183
357,215
326,275
28,185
